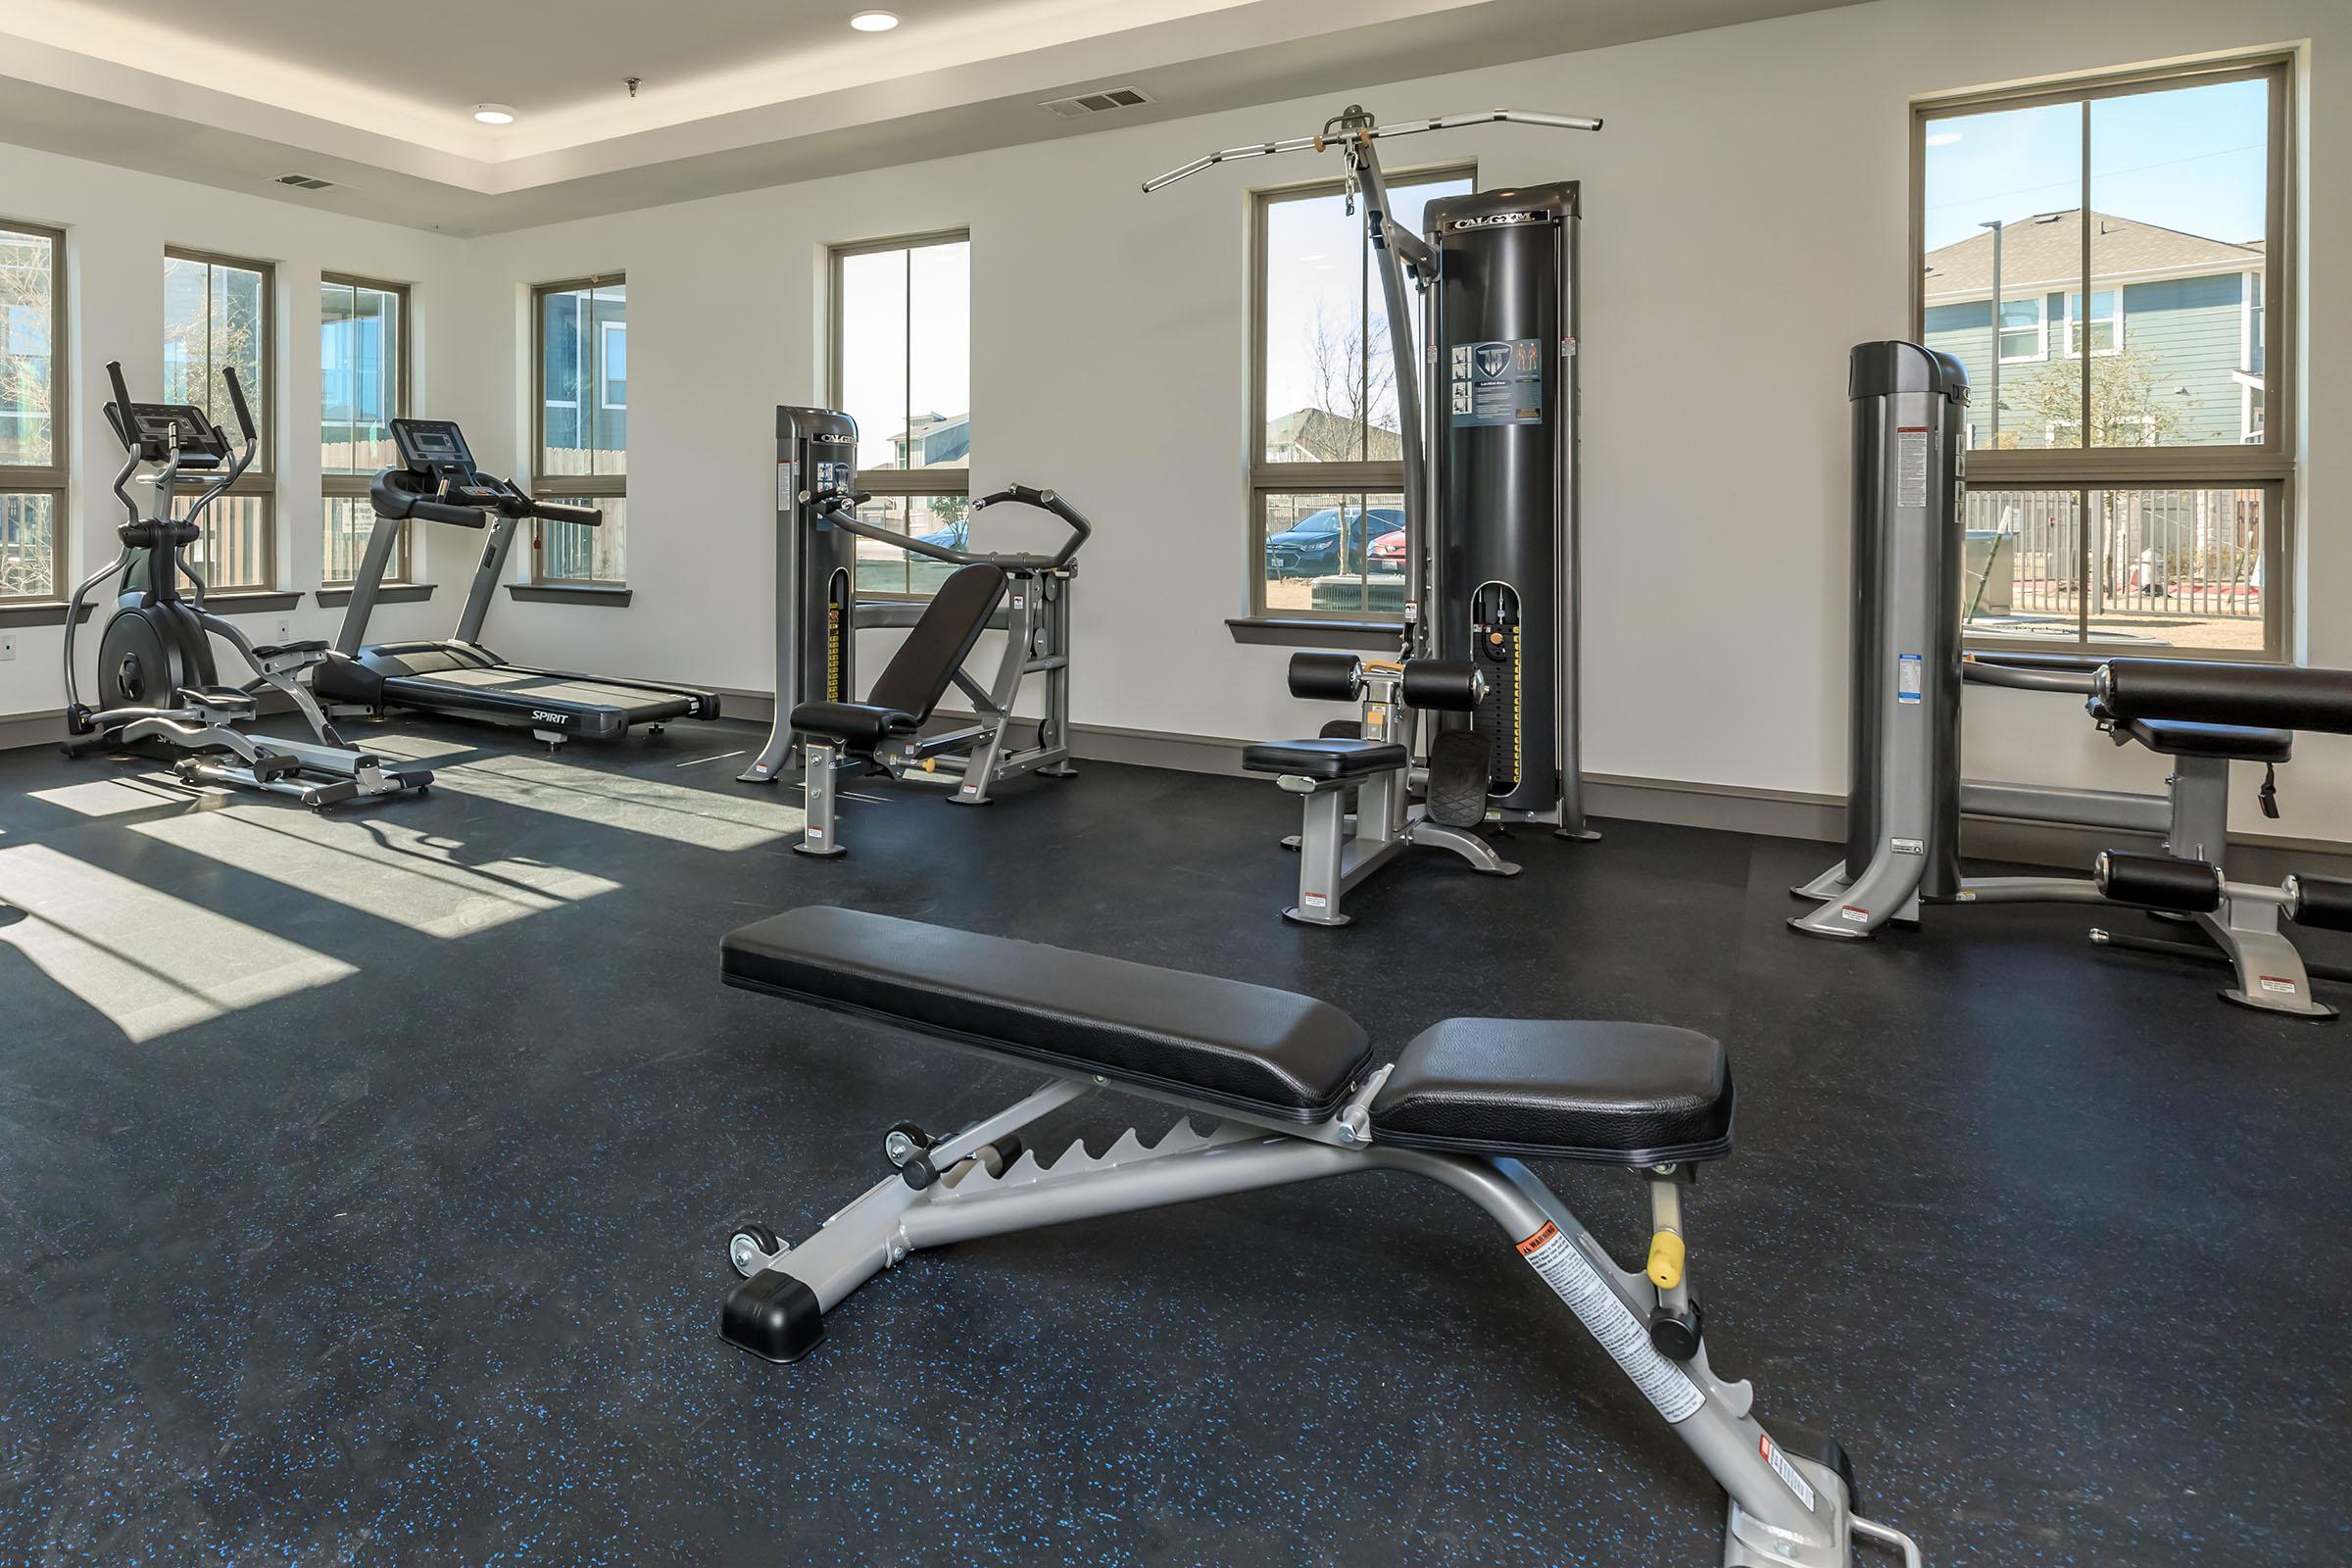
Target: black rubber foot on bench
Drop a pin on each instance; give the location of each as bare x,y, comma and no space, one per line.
773,1315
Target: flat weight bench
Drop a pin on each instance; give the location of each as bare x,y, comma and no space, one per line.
851,735
1290,1080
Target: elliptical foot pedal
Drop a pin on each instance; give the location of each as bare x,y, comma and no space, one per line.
773,1317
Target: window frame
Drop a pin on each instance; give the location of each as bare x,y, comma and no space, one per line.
343,486
1354,482
52,478
595,488
606,331
2093,319
2269,465
909,484
260,480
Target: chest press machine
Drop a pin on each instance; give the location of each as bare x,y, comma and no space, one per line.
1907,794
1291,1084
819,721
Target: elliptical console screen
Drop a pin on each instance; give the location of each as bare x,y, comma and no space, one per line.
428,446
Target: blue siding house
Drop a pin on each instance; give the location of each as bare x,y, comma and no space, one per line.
2181,313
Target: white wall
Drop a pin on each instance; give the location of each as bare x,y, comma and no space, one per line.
117,224
1747,222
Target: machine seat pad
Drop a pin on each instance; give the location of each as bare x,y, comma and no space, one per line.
1329,758
273,649
2239,742
859,723
1222,1042
1618,1094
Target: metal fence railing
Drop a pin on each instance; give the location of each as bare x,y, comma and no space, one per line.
2193,553
233,553
570,553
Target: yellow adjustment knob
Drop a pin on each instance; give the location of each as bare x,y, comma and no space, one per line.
930,765
1666,1260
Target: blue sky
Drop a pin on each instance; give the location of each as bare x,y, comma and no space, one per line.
2190,159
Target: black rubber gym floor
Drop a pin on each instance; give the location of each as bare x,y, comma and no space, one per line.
363,1183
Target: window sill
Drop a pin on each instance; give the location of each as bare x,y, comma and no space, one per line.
1302,631
613,596
391,593
42,612
250,601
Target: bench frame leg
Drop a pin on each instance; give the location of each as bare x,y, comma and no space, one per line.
1332,860
820,762
1785,1507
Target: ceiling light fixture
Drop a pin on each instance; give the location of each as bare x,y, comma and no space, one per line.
494,113
874,21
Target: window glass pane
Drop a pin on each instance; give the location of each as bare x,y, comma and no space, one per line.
348,522
215,320
608,335
233,552
881,569
2021,576
563,370
569,552
28,546
2176,569
1317,399
874,354
1334,552
2179,194
358,368
939,371
2002,206
27,319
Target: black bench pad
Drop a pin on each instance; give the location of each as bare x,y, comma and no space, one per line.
1272,1052
1330,758
856,723
1620,1094
2240,743
2280,696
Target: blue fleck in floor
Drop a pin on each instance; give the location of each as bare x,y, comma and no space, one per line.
364,1184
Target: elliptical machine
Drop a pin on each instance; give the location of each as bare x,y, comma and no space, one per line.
157,681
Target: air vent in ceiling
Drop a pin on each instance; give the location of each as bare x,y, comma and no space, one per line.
1096,103
305,181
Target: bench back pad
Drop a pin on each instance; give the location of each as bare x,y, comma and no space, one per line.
918,674
1277,1055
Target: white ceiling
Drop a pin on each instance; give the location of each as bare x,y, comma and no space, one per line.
377,95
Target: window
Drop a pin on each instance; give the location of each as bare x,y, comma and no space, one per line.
217,312
2128,489
362,387
903,370
580,448
32,441
1327,469
2025,330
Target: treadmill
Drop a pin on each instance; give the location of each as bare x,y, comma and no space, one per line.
436,481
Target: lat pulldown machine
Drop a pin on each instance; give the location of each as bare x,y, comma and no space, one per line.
1492,585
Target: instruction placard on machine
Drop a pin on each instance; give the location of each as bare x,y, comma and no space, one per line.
1499,382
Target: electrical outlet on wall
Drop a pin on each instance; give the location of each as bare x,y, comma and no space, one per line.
286,631
8,648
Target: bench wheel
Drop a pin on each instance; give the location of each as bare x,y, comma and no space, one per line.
750,1246
1458,780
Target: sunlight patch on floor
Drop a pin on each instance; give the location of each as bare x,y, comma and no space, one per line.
395,747
113,797
148,961
703,817
378,866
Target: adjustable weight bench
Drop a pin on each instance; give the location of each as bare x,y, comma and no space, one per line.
1292,1084
855,735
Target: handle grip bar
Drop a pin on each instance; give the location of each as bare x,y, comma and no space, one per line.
442,511
1051,501
585,516
236,399
121,408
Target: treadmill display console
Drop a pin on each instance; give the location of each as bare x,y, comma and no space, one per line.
155,425
431,446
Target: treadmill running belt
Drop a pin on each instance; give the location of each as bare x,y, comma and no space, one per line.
550,689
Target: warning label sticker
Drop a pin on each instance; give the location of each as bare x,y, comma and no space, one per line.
1558,1263
1908,677
1911,467
1786,1471
1499,382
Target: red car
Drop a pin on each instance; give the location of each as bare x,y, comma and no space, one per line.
1387,553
